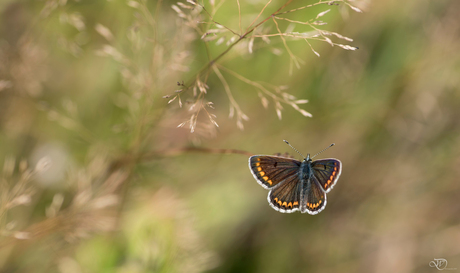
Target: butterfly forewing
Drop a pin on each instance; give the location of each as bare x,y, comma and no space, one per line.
271,171
327,172
314,199
286,197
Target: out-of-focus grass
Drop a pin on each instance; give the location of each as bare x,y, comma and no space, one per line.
97,178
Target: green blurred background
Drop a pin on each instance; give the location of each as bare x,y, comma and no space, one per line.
97,178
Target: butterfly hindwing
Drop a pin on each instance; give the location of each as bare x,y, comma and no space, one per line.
286,197
314,198
271,171
327,172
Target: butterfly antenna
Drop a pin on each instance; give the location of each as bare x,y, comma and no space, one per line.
324,150
293,148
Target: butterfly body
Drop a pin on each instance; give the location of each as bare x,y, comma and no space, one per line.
305,168
295,185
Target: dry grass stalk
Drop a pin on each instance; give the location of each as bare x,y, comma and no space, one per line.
211,30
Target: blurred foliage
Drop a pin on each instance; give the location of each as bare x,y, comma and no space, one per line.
98,178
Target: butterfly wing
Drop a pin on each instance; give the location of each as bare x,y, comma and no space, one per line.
281,175
272,171
314,198
286,197
326,172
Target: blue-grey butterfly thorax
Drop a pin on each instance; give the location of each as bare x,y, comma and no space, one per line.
305,169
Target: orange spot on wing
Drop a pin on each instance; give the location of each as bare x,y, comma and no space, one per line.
296,203
314,206
270,182
259,169
290,204
276,199
265,177
262,173
257,164
284,204
258,159
279,203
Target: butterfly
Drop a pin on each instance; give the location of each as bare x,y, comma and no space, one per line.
296,185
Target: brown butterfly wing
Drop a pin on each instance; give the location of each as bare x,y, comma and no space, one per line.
327,172
286,197
314,200
271,171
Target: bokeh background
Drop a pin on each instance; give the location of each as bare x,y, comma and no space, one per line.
98,178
